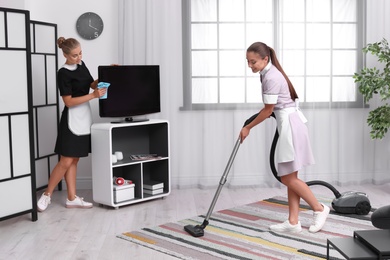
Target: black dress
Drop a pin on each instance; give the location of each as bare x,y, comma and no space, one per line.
74,81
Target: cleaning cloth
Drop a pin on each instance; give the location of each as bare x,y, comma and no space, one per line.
103,85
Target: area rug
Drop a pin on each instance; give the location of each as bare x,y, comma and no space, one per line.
242,233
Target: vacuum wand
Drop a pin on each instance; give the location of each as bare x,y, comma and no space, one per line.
224,177
198,230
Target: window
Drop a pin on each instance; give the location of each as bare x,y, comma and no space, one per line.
318,43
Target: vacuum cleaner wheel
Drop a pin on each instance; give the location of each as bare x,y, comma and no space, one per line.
363,208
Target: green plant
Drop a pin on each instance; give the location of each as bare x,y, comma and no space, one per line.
373,81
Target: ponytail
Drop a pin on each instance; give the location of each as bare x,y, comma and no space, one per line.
276,63
263,50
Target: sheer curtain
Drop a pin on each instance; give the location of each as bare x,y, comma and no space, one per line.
201,141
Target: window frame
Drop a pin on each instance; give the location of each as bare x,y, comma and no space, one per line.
187,68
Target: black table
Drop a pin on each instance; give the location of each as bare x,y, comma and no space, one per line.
376,240
350,248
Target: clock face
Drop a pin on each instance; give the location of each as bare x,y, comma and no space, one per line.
89,26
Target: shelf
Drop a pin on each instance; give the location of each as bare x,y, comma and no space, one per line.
125,162
151,137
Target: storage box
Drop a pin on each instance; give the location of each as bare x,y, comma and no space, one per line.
123,192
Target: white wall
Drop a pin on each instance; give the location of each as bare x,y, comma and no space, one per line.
15,4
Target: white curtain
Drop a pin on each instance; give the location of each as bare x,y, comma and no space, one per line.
201,141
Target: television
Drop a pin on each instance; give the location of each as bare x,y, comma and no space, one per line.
134,91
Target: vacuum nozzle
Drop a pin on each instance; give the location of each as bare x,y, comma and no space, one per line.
198,230
195,231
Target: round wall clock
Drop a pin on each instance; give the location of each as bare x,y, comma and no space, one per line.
89,25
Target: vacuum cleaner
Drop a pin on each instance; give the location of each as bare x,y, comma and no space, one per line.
350,202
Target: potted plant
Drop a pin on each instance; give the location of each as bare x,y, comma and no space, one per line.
374,81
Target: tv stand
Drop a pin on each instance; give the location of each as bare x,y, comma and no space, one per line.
145,138
135,120
130,120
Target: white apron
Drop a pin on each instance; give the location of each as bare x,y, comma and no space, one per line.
80,119
285,147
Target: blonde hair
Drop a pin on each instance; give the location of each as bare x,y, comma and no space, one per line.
263,50
67,45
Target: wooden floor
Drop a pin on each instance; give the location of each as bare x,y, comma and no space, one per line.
62,233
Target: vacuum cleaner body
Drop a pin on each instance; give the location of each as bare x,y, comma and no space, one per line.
352,202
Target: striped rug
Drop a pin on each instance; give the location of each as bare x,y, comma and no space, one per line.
242,233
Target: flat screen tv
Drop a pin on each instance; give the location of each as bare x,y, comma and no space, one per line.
134,91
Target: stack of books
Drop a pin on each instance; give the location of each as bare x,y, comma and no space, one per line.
153,187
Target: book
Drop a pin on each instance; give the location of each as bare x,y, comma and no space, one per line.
138,157
153,192
153,185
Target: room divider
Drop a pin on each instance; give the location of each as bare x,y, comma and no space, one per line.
45,98
28,110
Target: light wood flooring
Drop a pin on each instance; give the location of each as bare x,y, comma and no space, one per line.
62,233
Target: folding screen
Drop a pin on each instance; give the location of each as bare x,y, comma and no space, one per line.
45,98
17,165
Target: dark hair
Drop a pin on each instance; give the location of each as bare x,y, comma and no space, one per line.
263,50
67,45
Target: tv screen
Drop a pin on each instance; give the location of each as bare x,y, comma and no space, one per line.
134,90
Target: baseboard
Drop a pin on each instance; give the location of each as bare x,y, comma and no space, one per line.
82,183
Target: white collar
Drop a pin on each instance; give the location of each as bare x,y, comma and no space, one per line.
266,69
70,66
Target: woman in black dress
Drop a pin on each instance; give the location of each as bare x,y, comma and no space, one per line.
74,137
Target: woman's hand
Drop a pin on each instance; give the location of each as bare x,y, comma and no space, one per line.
99,92
244,133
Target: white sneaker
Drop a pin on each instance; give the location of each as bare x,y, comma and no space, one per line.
286,227
78,202
43,202
319,219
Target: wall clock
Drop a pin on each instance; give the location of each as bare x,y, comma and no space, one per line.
89,26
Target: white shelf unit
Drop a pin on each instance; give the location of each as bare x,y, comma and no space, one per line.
149,137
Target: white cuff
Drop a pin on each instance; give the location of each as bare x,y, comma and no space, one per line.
270,99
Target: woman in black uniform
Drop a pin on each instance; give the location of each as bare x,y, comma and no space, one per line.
74,137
